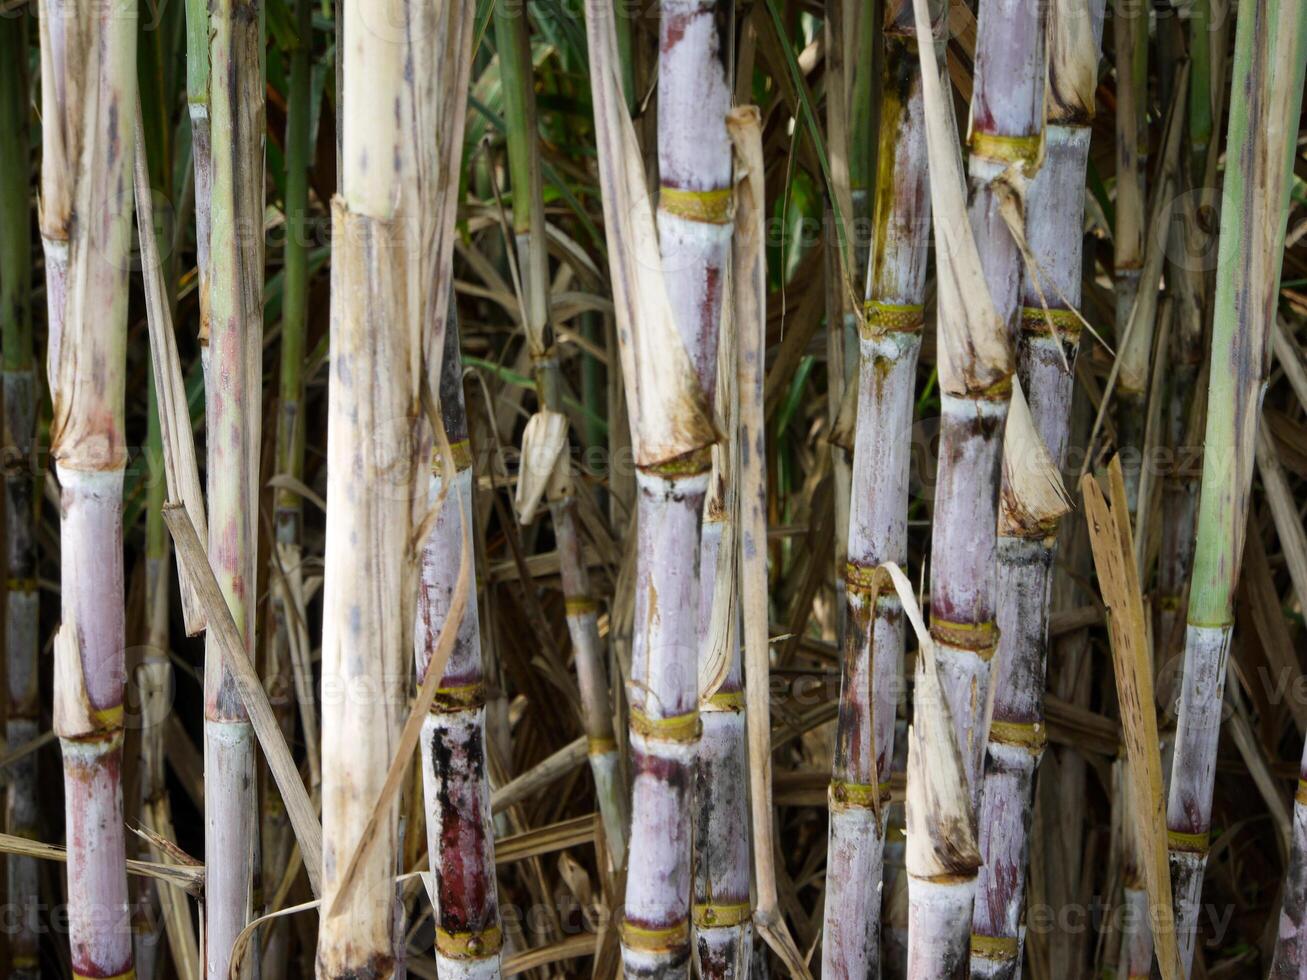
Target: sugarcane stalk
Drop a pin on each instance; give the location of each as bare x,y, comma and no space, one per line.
1007,119
663,358
890,341
22,600
287,677
694,226
391,227
1269,59
511,29
1289,961
1027,543
975,372
234,392
721,910
88,94
1130,36
460,833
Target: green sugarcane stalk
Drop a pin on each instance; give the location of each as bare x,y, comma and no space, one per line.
288,674
22,601
1269,59
234,392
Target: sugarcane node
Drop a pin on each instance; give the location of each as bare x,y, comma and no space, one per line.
880,318
464,697
1056,322
677,728
1188,843
721,915
1300,796
471,945
1002,948
1007,150
655,939
125,975
694,463
724,701
1031,736
711,207
460,453
862,796
601,744
866,580
20,585
580,605
978,638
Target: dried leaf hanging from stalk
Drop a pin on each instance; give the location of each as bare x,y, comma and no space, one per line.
1118,580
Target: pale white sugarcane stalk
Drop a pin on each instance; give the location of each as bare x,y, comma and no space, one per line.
460,834
234,392
890,340
942,857
721,909
670,433
378,470
694,225
975,371
1046,353
88,97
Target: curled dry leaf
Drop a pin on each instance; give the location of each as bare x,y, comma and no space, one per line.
544,463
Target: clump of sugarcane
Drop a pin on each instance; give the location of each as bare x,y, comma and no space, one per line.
460,834
548,464
88,96
234,396
1267,74
22,601
377,477
1046,353
1130,40
671,431
287,671
722,913
890,340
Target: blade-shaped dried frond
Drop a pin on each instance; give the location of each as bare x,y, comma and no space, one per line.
439,177
748,266
669,417
179,465
941,825
974,353
543,442
1118,579
1033,494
